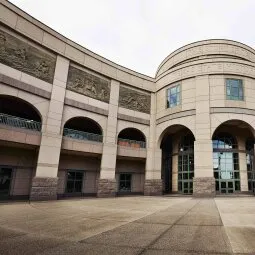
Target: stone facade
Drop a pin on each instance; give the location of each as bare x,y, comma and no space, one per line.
43,189
60,81
204,187
153,188
106,188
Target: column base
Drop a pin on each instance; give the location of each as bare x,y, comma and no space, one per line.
153,187
44,188
204,187
106,188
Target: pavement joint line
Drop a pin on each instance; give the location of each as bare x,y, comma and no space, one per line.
223,227
174,223
128,222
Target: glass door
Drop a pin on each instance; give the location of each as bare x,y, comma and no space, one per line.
74,182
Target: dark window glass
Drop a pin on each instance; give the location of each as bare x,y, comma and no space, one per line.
5,181
74,181
234,89
125,182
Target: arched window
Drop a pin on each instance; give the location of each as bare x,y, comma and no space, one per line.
224,141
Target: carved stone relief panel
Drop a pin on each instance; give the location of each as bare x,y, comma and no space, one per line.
24,57
134,100
88,84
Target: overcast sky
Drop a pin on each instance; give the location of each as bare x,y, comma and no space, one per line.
139,34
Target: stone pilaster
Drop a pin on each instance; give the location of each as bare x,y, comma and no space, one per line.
242,165
203,182
44,184
107,181
44,188
106,188
153,187
153,183
204,187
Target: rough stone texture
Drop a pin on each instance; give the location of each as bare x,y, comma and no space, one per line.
23,56
43,188
106,188
88,84
134,100
204,187
153,187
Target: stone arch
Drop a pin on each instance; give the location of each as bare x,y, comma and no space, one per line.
132,132
218,120
174,128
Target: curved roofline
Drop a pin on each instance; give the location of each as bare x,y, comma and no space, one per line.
199,41
67,40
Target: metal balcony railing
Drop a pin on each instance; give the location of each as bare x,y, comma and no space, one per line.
131,143
81,135
18,122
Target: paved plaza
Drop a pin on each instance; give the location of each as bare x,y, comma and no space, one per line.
129,225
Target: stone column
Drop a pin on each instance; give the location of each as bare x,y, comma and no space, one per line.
107,181
153,181
175,167
203,181
242,165
44,184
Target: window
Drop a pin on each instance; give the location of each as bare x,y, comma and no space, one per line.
173,96
74,181
125,182
234,89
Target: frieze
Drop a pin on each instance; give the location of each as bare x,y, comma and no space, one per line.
134,100
26,58
88,84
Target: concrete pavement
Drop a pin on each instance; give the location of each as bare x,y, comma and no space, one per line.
130,225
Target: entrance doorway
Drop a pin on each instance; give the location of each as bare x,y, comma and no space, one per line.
178,160
5,182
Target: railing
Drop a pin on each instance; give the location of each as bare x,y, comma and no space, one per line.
18,122
81,135
131,143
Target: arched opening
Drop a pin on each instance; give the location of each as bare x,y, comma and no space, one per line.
18,155
177,172
233,157
132,137
83,129
19,113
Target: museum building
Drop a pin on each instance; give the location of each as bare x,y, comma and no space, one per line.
73,123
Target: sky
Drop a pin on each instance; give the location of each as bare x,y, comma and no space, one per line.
139,34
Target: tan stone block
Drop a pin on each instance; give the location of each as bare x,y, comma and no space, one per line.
11,72
75,54
49,155
93,63
36,82
29,29
58,93
46,171
53,42
8,17
61,70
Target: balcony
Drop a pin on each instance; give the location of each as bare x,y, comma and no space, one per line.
131,143
131,148
81,135
18,122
